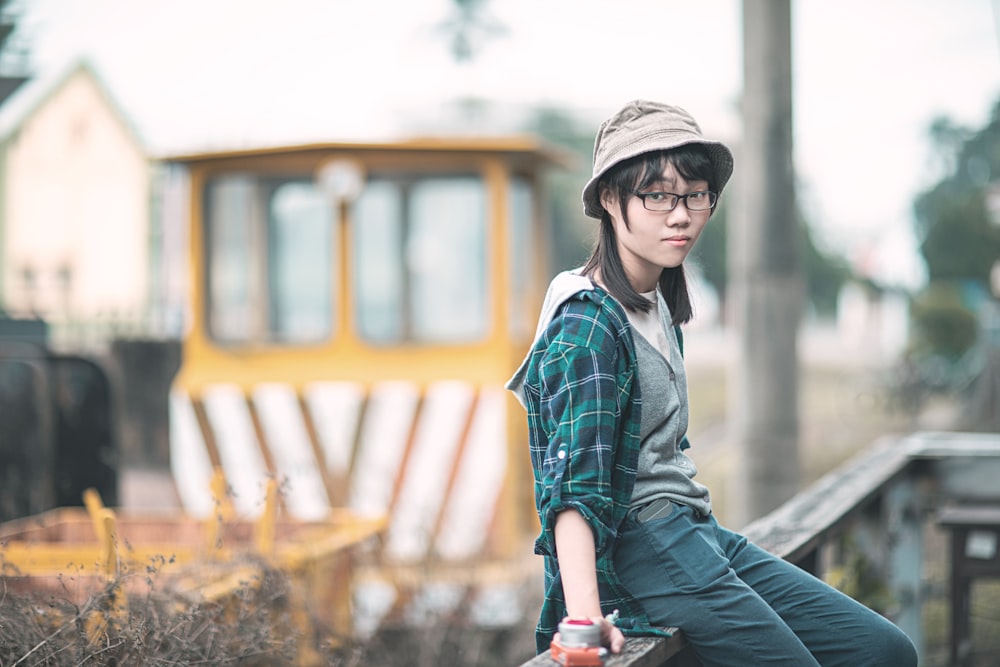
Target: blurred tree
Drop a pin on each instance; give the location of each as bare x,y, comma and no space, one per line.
7,23
959,239
825,273
469,26
12,53
574,233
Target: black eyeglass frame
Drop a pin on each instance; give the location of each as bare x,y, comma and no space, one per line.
714,196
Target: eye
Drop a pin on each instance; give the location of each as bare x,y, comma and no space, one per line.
655,196
698,197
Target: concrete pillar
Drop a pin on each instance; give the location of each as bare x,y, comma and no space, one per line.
766,279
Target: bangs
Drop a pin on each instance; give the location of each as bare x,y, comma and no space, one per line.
690,161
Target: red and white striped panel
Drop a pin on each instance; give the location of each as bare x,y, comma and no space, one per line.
452,441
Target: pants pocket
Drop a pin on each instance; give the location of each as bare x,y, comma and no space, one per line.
677,545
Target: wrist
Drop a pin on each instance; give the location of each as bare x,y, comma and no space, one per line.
603,622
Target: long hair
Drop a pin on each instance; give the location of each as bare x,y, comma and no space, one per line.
692,163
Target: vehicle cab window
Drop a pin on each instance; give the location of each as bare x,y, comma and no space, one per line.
270,261
419,260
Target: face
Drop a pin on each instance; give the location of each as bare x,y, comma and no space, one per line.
656,240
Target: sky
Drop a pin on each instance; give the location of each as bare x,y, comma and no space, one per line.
869,76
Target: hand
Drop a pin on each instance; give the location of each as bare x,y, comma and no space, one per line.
611,636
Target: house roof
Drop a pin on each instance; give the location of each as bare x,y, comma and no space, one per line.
34,94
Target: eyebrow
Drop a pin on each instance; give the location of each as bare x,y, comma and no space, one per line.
661,182
673,180
667,184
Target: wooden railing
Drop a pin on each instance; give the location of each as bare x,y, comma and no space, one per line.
874,507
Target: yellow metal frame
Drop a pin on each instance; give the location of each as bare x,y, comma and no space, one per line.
345,355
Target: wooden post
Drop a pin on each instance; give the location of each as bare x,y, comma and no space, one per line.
905,557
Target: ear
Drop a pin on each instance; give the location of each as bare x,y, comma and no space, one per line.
608,199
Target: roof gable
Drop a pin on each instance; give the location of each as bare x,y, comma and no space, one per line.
36,93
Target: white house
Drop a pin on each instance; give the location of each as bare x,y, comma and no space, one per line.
74,205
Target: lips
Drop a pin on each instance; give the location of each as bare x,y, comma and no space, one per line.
678,240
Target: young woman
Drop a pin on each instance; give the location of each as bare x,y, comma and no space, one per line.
625,526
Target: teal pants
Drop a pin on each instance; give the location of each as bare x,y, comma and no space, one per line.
739,605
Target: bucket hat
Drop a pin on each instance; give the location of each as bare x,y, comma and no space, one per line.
642,126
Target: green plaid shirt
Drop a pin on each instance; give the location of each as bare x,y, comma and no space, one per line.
583,401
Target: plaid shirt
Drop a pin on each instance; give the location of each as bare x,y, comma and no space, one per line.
583,401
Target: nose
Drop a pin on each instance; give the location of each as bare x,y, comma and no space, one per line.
680,216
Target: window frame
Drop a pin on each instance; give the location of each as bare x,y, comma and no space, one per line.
259,229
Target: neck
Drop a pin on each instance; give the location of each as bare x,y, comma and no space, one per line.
644,281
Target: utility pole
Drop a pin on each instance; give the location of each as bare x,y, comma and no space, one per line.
766,278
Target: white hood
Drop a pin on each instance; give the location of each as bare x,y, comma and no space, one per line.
562,287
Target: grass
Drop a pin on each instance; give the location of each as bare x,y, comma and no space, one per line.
841,411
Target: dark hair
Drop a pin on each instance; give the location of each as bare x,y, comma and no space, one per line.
693,164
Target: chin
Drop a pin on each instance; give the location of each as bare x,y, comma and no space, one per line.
673,262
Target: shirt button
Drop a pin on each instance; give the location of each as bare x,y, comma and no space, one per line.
672,376
561,454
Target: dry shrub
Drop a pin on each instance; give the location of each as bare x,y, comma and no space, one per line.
251,627
254,626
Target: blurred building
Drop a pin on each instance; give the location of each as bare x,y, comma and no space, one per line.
75,224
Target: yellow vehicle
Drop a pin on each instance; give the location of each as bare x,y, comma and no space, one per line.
356,309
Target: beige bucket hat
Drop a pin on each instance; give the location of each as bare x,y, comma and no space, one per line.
642,126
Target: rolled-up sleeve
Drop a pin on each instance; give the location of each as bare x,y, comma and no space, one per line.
583,399
579,410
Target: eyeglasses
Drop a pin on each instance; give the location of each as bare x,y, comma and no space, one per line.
667,201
